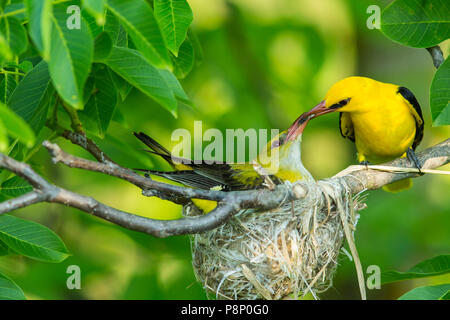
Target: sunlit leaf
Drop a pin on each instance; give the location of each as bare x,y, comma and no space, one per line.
111,26
417,23
133,67
70,56
102,46
440,95
445,296
102,103
15,186
174,18
18,7
175,85
32,239
4,250
122,86
92,23
431,267
198,50
97,9
120,118
426,293
14,33
16,126
9,290
5,51
138,19
4,141
40,25
25,66
184,63
7,87
30,98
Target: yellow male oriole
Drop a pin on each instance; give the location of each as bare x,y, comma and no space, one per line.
383,120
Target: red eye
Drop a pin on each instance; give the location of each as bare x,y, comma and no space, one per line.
275,144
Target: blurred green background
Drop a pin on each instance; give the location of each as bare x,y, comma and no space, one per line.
264,63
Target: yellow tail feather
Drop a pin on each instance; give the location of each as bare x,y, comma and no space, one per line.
398,186
205,205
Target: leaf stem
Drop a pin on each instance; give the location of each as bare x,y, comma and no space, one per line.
76,123
11,72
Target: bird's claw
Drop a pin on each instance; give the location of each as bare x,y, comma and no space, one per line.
365,163
411,155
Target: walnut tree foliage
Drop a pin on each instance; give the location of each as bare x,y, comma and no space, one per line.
79,60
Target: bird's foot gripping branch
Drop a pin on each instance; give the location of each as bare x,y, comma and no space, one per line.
305,232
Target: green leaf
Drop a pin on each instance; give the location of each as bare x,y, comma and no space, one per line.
417,23
134,68
102,46
426,293
102,102
175,86
14,6
40,25
440,95
16,126
184,63
138,19
92,23
7,87
70,56
16,186
120,118
431,267
15,34
4,250
198,50
31,96
97,9
174,18
9,290
32,239
122,86
445,296
5,51
4,141
111,26
25,66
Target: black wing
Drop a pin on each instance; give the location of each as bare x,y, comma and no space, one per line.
204,174
346,126
409,96
188,178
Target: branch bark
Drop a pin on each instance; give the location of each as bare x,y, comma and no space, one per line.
229,203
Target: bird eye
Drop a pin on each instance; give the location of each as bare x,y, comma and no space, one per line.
344,102
275,144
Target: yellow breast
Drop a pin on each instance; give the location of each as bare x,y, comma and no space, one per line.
385,129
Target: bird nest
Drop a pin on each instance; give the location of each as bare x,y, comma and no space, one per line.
282,253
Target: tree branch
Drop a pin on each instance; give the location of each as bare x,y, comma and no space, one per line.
229,203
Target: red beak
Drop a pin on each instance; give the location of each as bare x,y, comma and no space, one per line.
299,125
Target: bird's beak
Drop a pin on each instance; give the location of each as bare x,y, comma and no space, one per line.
299,125
319,110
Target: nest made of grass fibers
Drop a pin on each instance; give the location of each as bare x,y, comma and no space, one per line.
283,253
